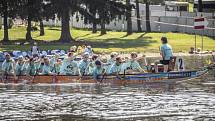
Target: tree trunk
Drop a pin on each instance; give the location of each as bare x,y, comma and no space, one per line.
200,6
6,38
148,26
128,16
28,34
65,28
94,27
138,16
42,32
103,28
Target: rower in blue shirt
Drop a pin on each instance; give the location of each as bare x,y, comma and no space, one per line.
20,66
98,71
117,68
8,66
84,64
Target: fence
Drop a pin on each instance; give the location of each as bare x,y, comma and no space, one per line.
161,21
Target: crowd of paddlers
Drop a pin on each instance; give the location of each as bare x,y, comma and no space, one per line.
80,62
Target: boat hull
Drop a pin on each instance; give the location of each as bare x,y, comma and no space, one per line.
111,79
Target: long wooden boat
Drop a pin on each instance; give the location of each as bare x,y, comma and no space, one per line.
111,79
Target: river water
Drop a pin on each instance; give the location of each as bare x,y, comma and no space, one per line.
185,101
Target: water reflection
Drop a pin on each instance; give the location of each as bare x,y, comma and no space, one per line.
65,102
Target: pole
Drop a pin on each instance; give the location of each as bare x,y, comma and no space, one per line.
202,39
195,40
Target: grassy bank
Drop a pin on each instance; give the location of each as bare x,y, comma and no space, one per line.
112,41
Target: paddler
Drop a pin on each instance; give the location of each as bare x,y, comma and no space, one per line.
133,65
166,53
69,66
117,68
84,64
54,59
112,59
46,69
31,69
8,66
98,71
57,66
92,64
20,66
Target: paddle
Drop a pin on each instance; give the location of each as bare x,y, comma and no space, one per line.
103,76
83,73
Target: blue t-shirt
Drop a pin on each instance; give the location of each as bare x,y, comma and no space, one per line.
166,51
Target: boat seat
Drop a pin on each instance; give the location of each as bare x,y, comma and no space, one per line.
171,65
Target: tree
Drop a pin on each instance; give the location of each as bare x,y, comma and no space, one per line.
148,26
138,16
4,9
128,17
30,10
64,9
104,11
42,31
8,9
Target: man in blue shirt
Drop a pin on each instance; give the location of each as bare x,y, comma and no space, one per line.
98,71
166,53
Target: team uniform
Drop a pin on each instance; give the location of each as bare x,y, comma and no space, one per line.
98,71
69,67
167,53
31,69
56,68
116,69
84,67
20,69
8,66
133,65
46,70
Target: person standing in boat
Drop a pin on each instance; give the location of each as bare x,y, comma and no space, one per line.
166,53
8,66
20,66
99,70
117,68
84,64
132,65
69,66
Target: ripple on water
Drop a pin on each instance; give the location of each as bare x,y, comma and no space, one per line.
104,102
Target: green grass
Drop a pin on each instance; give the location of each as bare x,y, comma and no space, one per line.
112,41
